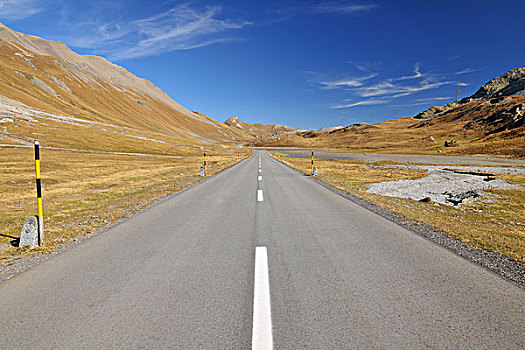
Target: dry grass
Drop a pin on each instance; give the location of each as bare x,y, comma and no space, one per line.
496,225
84,192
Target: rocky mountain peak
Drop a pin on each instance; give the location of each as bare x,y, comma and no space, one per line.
234,121
510,83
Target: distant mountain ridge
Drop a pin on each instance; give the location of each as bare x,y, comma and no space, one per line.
491,121
512,83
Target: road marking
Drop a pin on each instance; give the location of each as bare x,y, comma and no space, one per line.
260,196
259,178
262,314
259,170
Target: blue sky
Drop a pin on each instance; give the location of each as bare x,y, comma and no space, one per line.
306,64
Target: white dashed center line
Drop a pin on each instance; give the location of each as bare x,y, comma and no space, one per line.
262,314
260,196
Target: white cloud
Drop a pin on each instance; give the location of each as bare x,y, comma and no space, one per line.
304,8
360,103
365,92
434,99
466,71
18,9
417,74
350,82
426,101
388,88
180,28
338,7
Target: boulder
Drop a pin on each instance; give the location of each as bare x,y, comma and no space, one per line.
29,233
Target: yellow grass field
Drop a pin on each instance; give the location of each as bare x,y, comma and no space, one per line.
84,192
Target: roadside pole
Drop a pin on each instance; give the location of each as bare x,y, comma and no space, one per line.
312,163
39,195
204,164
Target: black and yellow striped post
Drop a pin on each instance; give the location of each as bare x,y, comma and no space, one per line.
204,163
39,195
312,162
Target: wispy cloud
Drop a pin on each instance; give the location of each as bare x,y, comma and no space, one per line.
180,28
466,71
368,91
350,82
397,90
417,74
18,9
305,8
337,7
434,99
426,101
360,103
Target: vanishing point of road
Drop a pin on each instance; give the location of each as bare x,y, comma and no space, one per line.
263,257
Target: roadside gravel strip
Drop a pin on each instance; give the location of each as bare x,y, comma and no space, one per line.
497,263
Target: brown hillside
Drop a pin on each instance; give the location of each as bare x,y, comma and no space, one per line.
43,84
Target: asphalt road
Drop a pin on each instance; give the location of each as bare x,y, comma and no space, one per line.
181,276
402,158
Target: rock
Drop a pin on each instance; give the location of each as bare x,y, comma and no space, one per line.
468,126
510,83
426,200
29,233
457,198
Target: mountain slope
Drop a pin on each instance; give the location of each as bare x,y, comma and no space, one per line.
492,121
113,108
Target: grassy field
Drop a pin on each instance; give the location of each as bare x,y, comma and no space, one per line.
498,225
85,192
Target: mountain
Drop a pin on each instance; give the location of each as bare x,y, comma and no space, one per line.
64,99
248,130
491,121
511,83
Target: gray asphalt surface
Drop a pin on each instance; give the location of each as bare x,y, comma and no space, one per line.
403,158
180,276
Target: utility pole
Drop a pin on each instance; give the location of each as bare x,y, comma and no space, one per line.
458,93
396,112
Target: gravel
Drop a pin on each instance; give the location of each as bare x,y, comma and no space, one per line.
441,186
